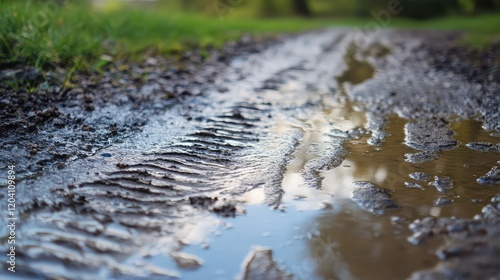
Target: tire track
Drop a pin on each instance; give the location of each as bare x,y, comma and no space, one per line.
101,217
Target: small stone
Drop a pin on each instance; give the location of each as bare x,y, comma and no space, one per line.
76,91
421,157
372,198
420,176
476,200
442,183
397,220
483,146
186,261
151,61
356,133
414,186
259,264
430,135
468,250
202,201
442,201
122,165
491,178
490,212
224,209
417,238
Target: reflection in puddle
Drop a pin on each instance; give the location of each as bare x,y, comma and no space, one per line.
350,243
364,243
386,166
358,70
321,233
353,244
325,130
285,232
345,242
255,196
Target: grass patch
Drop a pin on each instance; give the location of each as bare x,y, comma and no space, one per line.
78,35
479,30
44,36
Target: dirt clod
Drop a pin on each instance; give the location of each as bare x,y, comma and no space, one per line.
260,265
372,198
490,178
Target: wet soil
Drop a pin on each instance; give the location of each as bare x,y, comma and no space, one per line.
318,157
55,124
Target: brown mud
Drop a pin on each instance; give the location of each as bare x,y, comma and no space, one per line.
338,159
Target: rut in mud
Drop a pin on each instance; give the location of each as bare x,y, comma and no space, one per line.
300,128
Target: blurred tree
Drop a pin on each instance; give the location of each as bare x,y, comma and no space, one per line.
187,5
486,5
467,6
474,6
363,8
424,9
301,7
268,8
366,7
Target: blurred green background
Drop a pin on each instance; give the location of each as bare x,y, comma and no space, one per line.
88,34
418,9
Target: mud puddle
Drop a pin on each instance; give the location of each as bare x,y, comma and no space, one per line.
358,70
365,243
322,234
319,233
387,165
223,249
271,161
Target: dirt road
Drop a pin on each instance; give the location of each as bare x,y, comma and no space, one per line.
341,157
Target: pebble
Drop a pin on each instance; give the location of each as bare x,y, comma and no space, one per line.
420,176
372,198
442,183
490,178
442,201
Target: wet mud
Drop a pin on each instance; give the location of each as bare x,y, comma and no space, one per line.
260,265
373,199
340,159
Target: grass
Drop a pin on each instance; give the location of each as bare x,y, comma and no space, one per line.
75,32
479,30
77,36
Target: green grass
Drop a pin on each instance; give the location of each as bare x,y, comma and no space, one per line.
479,30
78,35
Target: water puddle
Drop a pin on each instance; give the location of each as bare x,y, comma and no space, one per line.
225,248
354,244
364,243
319,233
322,133
387,166
357,70
350,243
319,142
343,241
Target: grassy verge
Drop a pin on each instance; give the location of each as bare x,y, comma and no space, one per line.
479,30
80,37
43,36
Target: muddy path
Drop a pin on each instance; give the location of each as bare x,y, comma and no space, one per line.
320,157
